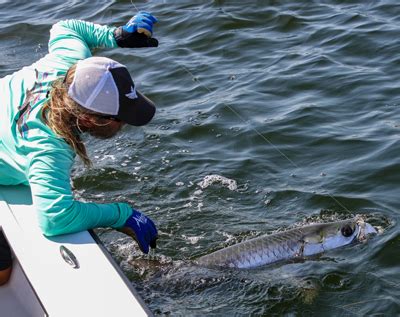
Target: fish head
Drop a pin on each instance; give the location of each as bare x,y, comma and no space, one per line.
365,230
333,235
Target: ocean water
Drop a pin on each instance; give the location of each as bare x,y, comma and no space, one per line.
270,114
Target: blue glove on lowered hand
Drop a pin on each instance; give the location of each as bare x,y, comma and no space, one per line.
137,32
142,229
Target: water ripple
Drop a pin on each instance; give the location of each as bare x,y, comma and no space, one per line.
297,102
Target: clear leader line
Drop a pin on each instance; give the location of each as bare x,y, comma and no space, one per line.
243,119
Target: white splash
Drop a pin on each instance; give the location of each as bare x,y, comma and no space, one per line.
106,157
192,239
212,179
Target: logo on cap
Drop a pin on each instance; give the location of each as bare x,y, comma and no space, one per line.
132,94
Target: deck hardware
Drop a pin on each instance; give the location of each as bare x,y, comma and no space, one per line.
69,257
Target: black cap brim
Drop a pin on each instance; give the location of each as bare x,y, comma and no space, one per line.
134,111
138,111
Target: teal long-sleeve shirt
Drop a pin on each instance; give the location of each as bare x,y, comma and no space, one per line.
31,153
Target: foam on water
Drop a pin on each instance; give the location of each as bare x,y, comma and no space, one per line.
191,239
218,179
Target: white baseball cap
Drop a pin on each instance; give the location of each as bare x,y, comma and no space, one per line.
105,86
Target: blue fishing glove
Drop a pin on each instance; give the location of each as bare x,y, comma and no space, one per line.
137,32
142,229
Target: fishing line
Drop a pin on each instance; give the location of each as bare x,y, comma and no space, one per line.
135,6
243,119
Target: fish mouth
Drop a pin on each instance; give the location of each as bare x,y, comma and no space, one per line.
364,230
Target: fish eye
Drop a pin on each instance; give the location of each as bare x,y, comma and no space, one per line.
347,231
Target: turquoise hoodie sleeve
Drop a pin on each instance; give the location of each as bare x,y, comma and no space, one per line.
58,212
51,160
72,40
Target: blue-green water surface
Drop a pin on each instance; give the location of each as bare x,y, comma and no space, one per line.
298,102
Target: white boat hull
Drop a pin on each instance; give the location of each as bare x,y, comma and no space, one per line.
44,284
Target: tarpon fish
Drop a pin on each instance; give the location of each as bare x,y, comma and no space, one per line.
290,244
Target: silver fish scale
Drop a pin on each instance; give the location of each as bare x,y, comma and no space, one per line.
259,251
269,248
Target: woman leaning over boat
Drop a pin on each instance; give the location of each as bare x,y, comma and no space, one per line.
46,107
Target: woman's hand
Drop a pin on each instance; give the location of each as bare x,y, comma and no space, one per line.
137,32
142,229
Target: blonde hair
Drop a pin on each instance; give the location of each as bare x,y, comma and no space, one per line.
62,115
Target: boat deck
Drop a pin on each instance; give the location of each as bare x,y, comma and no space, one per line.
44,284
17,297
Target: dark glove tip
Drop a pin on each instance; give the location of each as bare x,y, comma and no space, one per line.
153,244
152,42
145,250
